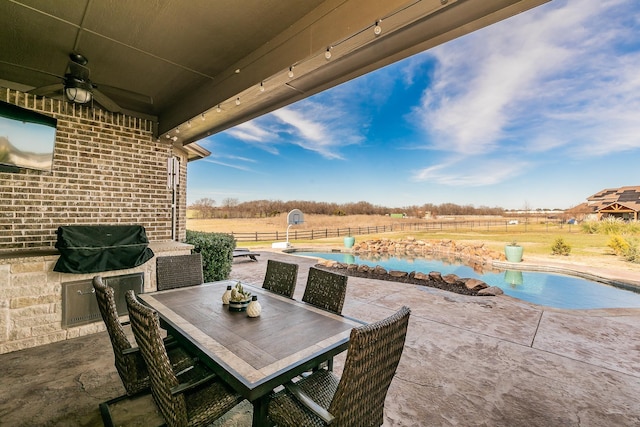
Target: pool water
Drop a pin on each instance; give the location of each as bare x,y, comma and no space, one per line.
553,290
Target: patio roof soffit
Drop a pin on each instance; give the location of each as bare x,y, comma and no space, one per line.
200,67
262,82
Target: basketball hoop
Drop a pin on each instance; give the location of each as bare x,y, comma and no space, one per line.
294,217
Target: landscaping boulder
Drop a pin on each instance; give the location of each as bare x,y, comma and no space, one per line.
475,284
397,273
491,291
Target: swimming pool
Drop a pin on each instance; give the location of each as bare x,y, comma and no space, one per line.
553,290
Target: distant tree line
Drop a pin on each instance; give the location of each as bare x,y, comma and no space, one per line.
232,208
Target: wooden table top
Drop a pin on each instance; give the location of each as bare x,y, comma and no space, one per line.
255,352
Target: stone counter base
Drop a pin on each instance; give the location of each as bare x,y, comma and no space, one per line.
31,296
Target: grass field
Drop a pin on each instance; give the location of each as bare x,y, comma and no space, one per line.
535,236
279,223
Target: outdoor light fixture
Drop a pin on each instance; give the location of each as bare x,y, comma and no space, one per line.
290,72
202,115
377,29
77,91
218,108
261,86
237,101
327,54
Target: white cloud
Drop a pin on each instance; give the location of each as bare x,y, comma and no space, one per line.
241,158
248,131
220,158
251,133
542,80
229,165
412,66
471,172
324,124
307,131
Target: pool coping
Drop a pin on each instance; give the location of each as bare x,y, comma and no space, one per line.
629,285
626,284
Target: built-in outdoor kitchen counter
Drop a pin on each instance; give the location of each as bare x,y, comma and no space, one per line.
32,295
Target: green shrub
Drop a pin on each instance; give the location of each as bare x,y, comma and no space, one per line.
633,227
612,226
217,253
618,245
590,227
560,247
632,253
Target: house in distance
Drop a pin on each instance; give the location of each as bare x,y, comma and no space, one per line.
623,203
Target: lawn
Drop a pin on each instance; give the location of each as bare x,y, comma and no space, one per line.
536,236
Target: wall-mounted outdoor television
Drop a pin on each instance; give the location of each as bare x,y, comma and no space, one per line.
27,139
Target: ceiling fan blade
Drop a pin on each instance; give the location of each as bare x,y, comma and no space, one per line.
105,101
46,90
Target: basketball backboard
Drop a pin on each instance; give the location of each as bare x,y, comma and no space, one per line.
295,217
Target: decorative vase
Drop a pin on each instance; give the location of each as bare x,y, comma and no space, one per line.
513,253
254,308
349,241
239,305
513,277
349,259
226,296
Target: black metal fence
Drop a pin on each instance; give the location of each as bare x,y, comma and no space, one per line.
399,227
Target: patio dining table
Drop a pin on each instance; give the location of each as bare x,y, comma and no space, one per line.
252,355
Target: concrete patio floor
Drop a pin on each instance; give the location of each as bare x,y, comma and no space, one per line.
468,361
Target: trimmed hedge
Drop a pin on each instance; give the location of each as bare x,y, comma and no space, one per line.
217,253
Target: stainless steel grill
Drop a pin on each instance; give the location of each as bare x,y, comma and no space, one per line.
79,304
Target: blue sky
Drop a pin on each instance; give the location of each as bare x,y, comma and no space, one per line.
541,110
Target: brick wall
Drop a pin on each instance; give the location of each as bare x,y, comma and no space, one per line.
107,169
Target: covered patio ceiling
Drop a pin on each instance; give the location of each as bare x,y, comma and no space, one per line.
199,67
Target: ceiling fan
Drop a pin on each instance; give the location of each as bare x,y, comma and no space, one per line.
78,87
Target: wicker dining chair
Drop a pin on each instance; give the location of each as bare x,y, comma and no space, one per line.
128,360
178,271
281,277
326,290
357,398
197,398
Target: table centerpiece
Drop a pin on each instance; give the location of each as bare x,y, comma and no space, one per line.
239,298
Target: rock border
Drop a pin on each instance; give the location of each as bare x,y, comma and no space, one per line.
476,256
471,254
